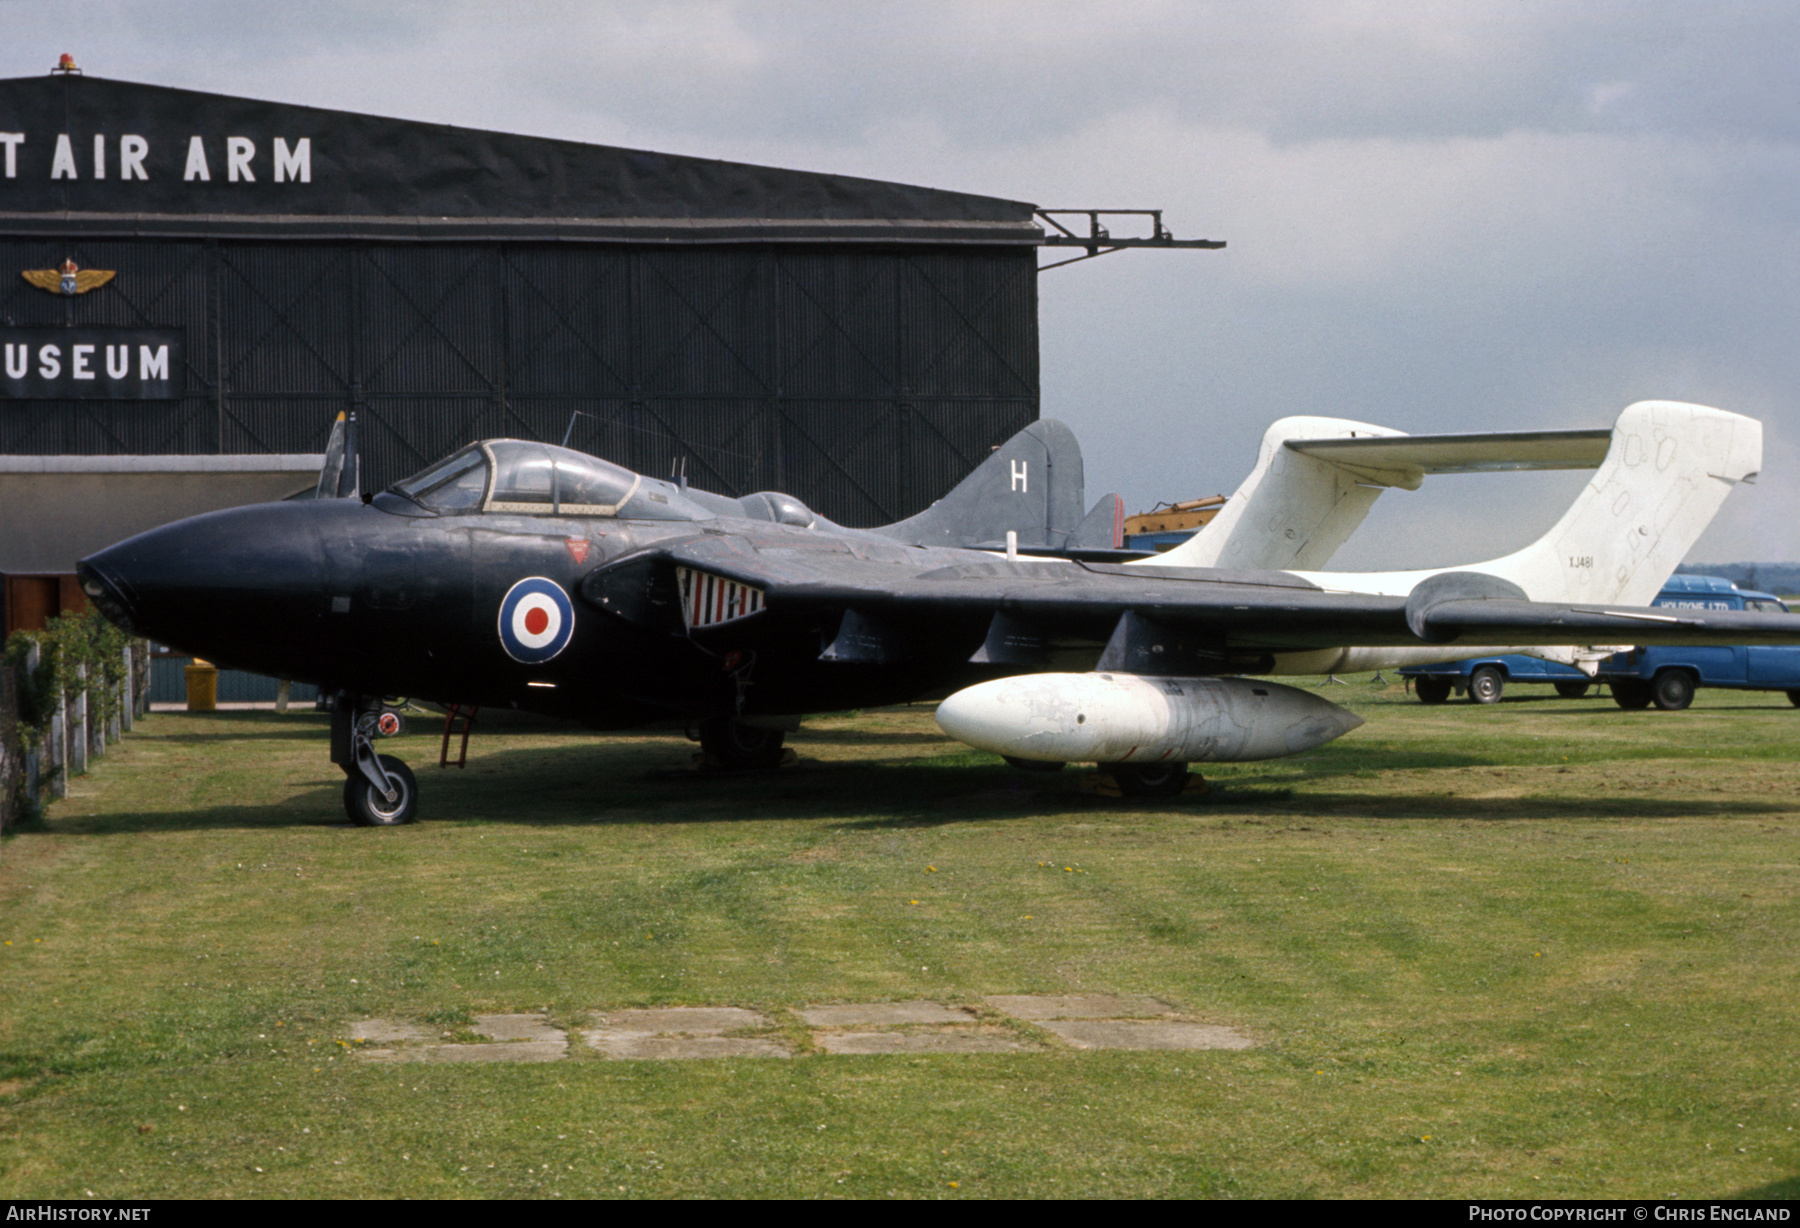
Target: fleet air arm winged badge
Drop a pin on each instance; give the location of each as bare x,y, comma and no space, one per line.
70,279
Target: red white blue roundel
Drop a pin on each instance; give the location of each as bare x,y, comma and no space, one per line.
536,620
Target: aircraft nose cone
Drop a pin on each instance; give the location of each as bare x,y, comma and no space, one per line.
108,594
218,585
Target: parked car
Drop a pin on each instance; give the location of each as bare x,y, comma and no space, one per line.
1668,677
1484,679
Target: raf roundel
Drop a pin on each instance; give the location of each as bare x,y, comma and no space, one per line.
536,620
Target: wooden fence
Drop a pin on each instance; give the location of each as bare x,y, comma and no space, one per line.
35,769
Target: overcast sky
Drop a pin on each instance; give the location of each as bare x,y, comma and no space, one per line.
1441,216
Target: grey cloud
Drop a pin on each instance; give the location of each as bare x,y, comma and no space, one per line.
990,74
1442,216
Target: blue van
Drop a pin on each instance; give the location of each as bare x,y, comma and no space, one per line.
1668,677
1485,678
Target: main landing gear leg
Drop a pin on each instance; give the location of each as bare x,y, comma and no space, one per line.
738,747
379,790
1166,779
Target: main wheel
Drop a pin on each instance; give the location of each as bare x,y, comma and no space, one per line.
1486,685
739,747
1572,690
366,806
1431,690
1148,779
1794,698
1674,690
1034,765
1631,693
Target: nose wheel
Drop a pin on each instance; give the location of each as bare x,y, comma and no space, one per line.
379,790
368,805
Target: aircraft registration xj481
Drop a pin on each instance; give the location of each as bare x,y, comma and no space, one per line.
521,574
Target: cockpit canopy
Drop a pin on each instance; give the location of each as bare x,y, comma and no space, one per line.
519,477
516,477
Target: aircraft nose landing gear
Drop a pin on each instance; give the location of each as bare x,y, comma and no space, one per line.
368,805
379,790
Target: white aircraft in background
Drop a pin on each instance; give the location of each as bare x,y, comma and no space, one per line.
1661,474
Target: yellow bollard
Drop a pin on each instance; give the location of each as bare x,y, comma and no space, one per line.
202,686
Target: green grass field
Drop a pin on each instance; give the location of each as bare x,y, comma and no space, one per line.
1543,949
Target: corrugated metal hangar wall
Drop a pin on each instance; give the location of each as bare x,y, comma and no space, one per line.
859,344
864,381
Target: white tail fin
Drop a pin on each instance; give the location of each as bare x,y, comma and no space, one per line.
1667,470
1293,510
1665,476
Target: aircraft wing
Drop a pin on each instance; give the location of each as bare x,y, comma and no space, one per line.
937,600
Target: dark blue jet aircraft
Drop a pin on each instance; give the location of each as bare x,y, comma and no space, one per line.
523,575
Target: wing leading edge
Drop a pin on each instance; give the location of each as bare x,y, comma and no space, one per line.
1240,611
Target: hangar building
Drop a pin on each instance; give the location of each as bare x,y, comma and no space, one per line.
193,286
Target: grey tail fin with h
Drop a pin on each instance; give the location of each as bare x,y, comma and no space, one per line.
1031,486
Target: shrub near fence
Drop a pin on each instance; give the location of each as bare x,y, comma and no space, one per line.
65,693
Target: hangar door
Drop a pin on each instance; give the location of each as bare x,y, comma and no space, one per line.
865,380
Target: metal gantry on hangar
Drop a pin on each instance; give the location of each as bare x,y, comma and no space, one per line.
193,287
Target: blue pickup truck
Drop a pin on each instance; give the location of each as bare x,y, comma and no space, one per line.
1485,678
1666,677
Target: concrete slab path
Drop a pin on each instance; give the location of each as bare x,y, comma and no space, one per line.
850,1014
1080,1021
1078,1006
1144,1034
920,1042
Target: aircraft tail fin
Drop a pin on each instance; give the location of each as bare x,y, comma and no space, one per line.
1666,473
1666,470
1294,509
1103,528
1031,485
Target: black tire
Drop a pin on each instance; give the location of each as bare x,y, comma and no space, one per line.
1794,698
1486,685
1431,690
1572,690
738,747
1632,694
1165,779
367,808
1673,690
1034,765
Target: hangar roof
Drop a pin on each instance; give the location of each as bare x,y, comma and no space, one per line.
116,158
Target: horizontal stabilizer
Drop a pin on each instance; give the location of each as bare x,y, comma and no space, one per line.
1409,457
1315,480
